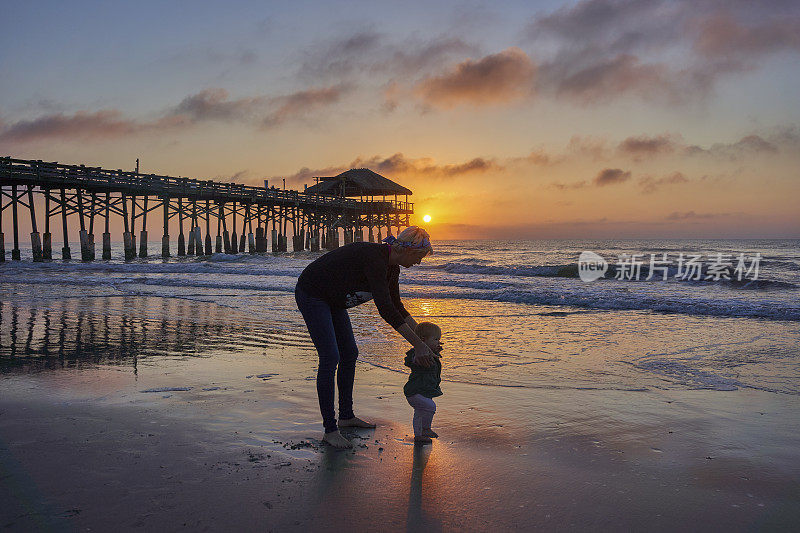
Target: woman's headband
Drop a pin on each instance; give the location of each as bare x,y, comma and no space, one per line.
425,243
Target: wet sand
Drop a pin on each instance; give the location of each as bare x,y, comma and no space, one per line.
154,417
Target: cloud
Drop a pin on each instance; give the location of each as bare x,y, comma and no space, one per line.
539,157
691,215
747,145
366,52
339,57
659,50
236,176
301,102
609,176
494,79
720,35
566,186
414,57
650,184
400,165
610,78
208,105
648,146
305,174
214,104
593,147
96,125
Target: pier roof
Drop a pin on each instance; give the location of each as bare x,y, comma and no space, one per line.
357,182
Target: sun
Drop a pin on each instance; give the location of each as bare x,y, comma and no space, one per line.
426,218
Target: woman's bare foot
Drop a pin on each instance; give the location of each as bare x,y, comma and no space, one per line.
430,433
335,439
422,440
355,422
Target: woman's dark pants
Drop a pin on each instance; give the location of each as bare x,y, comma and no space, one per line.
333,338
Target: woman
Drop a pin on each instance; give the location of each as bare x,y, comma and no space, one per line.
343,278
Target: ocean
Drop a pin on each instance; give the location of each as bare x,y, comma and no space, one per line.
513,313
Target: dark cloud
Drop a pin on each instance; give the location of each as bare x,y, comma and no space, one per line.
339,57
609,176
366,52
593,147
414,57
622,74
306,174
650,184
747,145
539,157
214,104
300,103
104,124
398,164
646,146
236,176
80,125
598,50
720,35
207,105
495,79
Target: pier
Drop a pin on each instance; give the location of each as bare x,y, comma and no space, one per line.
244,218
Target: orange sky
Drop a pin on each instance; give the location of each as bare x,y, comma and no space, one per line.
596,119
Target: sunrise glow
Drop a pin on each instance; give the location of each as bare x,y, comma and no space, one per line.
545,123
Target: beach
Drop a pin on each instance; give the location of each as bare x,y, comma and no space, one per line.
137,397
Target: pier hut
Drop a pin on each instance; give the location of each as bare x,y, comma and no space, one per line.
350,201
379,191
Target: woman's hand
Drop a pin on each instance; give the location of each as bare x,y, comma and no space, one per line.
423,355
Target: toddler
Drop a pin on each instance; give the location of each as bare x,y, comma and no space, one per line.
423,383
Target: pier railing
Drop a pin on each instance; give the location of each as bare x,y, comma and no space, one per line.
55,175
93,192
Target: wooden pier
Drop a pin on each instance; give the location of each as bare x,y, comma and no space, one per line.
247,219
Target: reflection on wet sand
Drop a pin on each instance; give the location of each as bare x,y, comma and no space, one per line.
74,333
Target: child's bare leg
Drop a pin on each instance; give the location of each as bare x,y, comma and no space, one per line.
424,408
427,420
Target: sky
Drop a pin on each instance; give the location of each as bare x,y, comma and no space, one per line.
591,119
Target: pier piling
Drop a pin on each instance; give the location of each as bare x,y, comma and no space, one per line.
15,255
143,233
65,252
47,238
107,232
165,236
127,236
36,241
208,228
181,238
234,242
2,237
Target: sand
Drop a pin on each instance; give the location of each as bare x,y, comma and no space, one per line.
227,459
201,426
